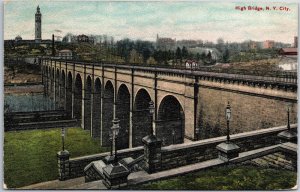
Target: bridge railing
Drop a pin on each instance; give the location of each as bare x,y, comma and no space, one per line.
257,75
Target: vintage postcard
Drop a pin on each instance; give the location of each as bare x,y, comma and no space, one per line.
150,95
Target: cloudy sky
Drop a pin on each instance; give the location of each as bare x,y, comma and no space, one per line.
143,20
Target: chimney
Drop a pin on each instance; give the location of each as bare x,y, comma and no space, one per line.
53,49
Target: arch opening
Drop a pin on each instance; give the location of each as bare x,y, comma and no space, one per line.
96,110
108,112
62,90
170,121
123,114
57,89
87,104
52,88
78,98
69,95
141,120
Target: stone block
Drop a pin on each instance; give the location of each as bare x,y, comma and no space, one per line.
287,136
115,176
228,151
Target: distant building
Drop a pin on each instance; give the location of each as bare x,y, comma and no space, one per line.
268,44
84,39
188,43
296,41
191,64
253,45
288,51
165,43
65,54
38,25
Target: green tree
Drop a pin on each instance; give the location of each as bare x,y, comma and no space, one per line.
226,56
178,54
184,52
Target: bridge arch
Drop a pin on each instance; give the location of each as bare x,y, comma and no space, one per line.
52,73
96,109
78,98
49,72
141,120
52,88
108,112
62,88
69,103
87,103
46,71
57,88
123,114
170,125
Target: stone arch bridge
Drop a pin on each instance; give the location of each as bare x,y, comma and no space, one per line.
185,100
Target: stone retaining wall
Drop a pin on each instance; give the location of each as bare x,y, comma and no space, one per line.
189,153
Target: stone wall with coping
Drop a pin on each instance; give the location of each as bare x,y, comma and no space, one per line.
189,153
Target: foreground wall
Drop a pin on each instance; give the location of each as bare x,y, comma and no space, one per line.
184,154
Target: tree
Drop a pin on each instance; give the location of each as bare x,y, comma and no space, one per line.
220,44
198,56
184,52
178,54
146,54
226,56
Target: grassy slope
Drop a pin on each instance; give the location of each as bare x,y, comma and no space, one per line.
30,156
229,178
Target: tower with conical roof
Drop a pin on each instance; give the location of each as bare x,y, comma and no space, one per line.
38,25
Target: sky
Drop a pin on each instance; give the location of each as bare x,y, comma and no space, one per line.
143,20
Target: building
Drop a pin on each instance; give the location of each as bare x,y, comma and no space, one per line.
165,43
65,54
296,41
187,43
253,45
288,51
268,44
191,64
38,25
85,39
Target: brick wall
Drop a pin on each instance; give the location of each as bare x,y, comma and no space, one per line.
249,111
188,153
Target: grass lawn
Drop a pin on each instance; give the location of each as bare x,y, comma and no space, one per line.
228,178
30,156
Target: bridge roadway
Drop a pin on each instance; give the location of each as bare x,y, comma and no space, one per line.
185,100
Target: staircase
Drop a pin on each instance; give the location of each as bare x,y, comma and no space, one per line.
94,170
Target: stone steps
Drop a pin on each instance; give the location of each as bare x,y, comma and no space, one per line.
275,160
